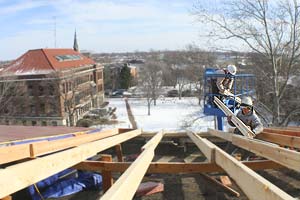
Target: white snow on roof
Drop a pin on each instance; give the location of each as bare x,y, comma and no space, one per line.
32,72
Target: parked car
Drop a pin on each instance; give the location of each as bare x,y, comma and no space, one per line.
172,93
118,93
127,94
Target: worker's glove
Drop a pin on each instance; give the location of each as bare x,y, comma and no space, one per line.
256,134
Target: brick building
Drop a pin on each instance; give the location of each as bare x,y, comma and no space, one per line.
49,87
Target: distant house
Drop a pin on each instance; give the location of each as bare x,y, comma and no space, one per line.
49,87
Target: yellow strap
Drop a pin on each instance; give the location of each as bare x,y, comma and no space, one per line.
38,191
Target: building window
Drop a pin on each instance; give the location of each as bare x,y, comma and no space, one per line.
64,88
41,90
44,123
54,123
42,107
22,109
24,122
33,123
7,122
51,90
32,109
62,58
30,90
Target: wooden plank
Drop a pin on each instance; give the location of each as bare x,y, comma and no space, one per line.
119,152
126,186
154,140
13,153
7,198
24,174
225,180
221,134
106,175
285,140
170,134
252,184
285,157
224,187
237,122
282,132
172,168
204,145
22,151
45,147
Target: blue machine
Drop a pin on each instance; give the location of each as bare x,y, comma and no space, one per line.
244,84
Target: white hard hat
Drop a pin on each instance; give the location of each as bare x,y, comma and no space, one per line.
231,69
247,101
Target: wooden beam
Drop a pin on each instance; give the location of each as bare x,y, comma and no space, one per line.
24,174
295,133
13,153
7,198
285,140
237,122
41,148
126,186
119,152
204,145
170,134
154,140
106,175
285,157
221,134
22,151
218,184
252,184
172,168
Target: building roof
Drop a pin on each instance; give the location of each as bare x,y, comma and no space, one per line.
13,133
44,61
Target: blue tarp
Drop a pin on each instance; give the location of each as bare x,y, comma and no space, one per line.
53,187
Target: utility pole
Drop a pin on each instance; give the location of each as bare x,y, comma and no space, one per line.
54,18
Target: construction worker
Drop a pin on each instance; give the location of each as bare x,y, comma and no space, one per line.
223,84
248,116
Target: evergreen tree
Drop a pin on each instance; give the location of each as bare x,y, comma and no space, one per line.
125,77
107,78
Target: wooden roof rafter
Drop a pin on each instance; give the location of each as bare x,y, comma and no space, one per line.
135,173
19,176
283,156
31,150
253,185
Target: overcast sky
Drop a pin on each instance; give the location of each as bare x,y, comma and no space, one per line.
102,25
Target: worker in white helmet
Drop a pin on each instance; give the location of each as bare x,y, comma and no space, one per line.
248,116
223,84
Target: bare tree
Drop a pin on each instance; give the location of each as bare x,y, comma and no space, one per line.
68,88
150,81
270,29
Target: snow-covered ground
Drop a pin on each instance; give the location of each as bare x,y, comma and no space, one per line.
168,114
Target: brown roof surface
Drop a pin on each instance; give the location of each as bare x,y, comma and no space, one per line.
43,61
12,133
